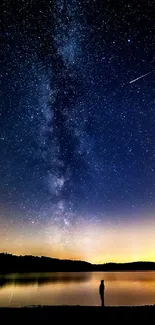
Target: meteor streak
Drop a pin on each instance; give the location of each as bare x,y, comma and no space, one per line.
144,75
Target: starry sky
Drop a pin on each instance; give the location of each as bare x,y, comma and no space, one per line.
77,136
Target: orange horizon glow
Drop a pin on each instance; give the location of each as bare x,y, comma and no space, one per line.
100,243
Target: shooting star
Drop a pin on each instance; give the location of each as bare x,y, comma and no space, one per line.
144,75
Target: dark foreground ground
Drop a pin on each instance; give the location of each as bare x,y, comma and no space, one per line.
74,314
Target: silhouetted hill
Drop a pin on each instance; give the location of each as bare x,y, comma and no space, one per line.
12,263
132,266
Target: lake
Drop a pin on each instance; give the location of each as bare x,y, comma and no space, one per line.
121,288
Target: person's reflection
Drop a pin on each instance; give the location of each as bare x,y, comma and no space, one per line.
101,292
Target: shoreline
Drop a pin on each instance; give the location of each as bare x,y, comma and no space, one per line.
26,307
71,314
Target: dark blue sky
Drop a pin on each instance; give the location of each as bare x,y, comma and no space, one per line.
76,137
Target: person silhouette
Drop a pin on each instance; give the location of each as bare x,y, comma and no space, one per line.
101,292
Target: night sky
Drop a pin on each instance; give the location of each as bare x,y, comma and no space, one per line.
77,136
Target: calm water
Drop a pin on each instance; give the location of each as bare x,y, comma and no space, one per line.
121,288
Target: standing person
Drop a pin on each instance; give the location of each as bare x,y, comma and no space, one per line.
101,292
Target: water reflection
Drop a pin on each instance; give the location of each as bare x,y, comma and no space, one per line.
121,288
33,279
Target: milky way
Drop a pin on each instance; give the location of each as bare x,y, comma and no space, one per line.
77,139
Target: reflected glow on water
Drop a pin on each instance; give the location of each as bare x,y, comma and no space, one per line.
121,288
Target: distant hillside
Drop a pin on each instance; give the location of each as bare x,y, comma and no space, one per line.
132,266
12,263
